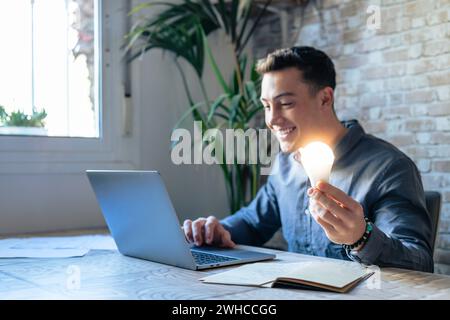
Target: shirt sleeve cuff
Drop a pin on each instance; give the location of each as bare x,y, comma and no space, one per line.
372,249
240,231
231,222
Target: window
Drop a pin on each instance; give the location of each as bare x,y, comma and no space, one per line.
103,134
43,185
49,68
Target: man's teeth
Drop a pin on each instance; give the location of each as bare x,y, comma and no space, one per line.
286,131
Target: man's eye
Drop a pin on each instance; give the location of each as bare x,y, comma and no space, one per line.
267,107
287,104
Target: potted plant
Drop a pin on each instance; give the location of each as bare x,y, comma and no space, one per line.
20,123
182,29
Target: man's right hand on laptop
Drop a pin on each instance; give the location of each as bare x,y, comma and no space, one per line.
207,231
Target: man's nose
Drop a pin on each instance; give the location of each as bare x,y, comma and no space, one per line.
273,116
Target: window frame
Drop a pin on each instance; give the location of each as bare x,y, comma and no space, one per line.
114,148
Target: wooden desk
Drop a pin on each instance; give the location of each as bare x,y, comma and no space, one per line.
106,274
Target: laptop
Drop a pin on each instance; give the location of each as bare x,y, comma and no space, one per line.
141,218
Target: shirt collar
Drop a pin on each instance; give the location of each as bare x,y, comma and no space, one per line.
350,139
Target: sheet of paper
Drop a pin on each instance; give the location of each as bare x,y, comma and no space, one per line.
255,274
54,247
335,273
42,253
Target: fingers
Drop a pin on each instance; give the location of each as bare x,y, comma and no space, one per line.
207,231
216,233
225,238
321,216
342,214
339,195
210,227
330,219
315,209
187,227
329,229
197,231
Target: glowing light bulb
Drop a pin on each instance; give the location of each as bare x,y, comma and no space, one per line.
317,159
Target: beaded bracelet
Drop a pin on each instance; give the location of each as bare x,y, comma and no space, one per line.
363,239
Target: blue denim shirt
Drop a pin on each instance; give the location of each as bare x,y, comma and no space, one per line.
375,173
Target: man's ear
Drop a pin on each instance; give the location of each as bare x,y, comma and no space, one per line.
326,96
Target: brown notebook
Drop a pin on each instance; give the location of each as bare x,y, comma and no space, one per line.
327,275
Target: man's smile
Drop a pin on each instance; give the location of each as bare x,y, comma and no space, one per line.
284,133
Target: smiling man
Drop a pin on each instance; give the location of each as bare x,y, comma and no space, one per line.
373,208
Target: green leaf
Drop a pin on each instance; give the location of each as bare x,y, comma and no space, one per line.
214,66
254,26
234,107
252,94
215,105
21,119
187,114
142,6
3,114
222,10
233,15
245,15
253,112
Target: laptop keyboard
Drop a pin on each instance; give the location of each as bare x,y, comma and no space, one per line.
209,258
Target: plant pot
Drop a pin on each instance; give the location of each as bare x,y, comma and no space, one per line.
23,131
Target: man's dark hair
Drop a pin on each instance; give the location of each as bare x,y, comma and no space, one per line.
317,68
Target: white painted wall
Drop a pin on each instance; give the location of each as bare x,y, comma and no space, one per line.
46,202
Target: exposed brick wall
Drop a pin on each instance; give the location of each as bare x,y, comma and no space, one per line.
395,80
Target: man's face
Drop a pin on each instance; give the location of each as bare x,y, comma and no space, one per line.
291,112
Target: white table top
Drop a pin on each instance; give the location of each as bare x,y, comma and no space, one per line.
106,274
